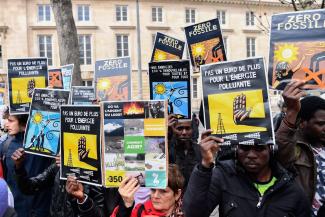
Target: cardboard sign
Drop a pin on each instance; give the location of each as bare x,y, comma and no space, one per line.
82,95
81,143
113,79
24,75
297,49
170,80
205,43
236,106
42,135
167,48
135,142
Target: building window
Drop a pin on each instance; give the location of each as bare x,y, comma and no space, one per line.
85,49
194,83
157,14
221,15
190,15
1,63
121,13
122,45
45,47
44,13
250,18
88,83
83,13
251,47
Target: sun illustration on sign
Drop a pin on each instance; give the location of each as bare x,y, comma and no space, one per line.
160,89
286,53
198,49
104,84
37,118
160,55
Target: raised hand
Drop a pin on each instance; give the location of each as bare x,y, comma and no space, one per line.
18,157
210,145
75,188
127,189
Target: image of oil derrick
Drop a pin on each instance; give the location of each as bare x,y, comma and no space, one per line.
240,111
18,97
69,163
83,152
220,127
30,87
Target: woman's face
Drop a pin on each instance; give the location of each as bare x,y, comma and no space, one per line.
164,200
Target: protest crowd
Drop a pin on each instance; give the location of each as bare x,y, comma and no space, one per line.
95,152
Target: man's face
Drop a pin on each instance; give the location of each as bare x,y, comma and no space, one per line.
183,130
12,125
314,128
254,158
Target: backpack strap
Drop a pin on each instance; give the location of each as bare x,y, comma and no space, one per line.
140,210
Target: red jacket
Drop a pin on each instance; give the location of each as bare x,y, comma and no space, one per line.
141,210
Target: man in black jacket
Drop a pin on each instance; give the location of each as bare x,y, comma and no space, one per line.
252,185
69,198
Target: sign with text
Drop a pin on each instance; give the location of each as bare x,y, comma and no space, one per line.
135,142
24,75
170,80
82,95
113,79
42,135
167,48
235,101
205,43
297,49
81,143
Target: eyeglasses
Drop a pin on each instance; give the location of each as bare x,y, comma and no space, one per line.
257,148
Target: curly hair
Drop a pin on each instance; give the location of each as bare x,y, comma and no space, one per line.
309,106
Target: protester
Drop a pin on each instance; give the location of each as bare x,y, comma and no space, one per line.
26,206
7,201
163,202
301,139
253,184
69,198
182,144
279,116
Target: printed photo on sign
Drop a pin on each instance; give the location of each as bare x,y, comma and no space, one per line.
297,50
236,105
42,135
55,79
134,141
205,43
113,79
24,75
67,72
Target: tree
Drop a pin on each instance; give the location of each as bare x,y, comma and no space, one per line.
304,4
67,37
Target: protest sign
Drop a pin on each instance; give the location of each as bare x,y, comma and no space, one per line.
170,80
205,43
55,79
236,106
23,76
113,79
167,48
297,49
82,95
135,142
2,93
81,143
67,72
42,135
